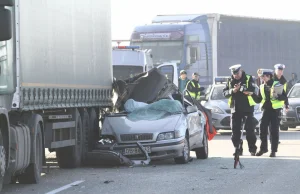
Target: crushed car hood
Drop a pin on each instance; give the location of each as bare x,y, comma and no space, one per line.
146,87
122,125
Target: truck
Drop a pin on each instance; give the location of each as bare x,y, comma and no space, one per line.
56,78
129,61
210,43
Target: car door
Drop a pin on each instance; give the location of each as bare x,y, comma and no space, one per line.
170,71
193,120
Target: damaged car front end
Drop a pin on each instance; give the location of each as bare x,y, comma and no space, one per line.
154,122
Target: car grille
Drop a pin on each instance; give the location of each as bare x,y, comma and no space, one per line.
225,121
228,111
137,137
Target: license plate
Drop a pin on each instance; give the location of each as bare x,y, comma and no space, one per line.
135,151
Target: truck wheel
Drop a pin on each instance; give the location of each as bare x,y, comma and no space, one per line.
94,129
2,159
284,128
70,157
185,153
202,153
33,172
85,134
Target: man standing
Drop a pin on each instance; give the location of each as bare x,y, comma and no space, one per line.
182,81
239,89
278,77
193,87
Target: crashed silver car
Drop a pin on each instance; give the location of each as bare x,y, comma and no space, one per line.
154,122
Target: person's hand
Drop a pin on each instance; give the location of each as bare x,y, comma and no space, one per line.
236,88
286,109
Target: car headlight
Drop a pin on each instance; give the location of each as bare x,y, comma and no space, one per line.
215,109
165,136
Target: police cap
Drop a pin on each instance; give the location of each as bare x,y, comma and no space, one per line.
261,72
235,68
195,74
182,72
279,66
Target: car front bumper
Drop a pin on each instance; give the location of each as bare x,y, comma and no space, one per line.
159,150
222,121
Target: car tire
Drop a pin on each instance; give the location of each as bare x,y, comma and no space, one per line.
185,153
283,128
202,153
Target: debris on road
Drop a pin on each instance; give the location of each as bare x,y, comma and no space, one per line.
108,181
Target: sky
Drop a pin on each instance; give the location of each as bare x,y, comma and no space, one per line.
126,14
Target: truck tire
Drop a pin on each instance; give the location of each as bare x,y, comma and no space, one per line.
70,157
33,172
2,160
94,132
202,153
85,119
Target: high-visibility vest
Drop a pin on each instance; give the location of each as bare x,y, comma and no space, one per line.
195,95
250,99
276,104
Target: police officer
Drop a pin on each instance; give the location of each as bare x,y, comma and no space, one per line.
182,80
238,89
271,103
278,76
193,87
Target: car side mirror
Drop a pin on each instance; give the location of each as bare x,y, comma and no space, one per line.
191,109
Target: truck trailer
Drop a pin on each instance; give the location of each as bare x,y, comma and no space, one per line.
210,43
56,77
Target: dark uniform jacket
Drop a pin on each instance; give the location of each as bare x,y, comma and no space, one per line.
239,100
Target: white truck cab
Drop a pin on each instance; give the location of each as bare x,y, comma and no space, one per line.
129,61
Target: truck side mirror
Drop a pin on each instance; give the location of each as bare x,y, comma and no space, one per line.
5,24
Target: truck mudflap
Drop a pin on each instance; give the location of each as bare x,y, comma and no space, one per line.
116,158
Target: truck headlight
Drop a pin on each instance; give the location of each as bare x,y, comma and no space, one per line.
217,110
165,136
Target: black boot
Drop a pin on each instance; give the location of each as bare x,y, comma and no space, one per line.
272,154
261,152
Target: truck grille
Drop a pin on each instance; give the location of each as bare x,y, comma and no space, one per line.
137,137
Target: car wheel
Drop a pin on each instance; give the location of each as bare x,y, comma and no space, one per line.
284,128
185,153
202,153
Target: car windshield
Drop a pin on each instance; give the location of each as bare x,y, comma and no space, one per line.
295,93
217,93
125,72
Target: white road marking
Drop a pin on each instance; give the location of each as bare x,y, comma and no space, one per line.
65,187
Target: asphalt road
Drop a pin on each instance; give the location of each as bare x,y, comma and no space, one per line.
214,175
